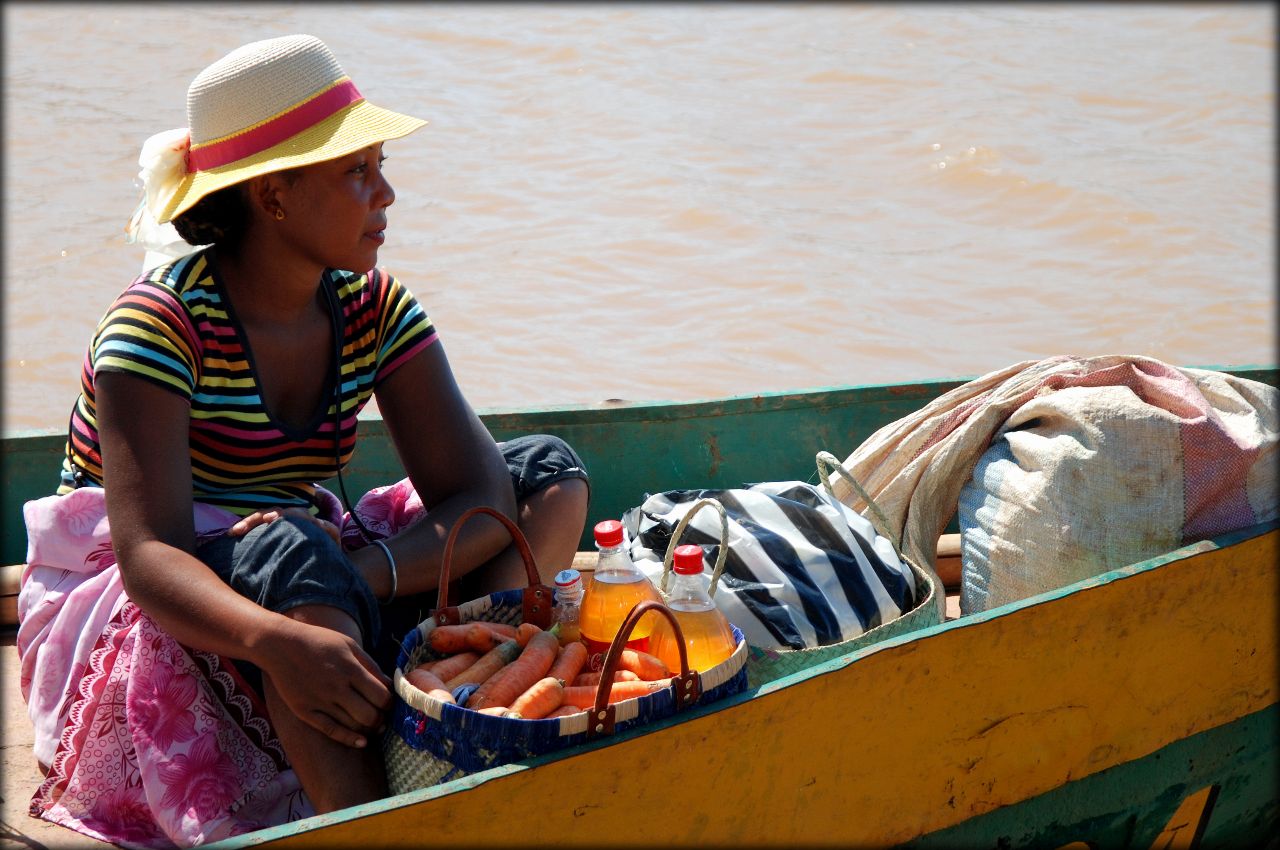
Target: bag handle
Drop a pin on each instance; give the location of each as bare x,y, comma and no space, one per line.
675,541
827,462
536,599
686,687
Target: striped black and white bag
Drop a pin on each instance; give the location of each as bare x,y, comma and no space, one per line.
802,571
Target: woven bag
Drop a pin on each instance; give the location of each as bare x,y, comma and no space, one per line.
745,600
429,741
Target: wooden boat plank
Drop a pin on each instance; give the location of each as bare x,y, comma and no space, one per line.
990,710
948,565
20,775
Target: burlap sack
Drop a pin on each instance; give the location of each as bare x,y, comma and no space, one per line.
1194,448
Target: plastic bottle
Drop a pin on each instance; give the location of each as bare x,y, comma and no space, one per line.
615,587
568,606
708,637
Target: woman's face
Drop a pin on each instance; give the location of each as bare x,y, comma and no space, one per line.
336,211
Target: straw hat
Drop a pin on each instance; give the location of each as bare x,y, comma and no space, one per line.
267,106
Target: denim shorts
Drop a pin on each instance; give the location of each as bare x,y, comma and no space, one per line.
290,562
536,461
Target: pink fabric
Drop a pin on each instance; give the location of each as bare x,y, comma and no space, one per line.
1215,461
384,510
70,589
149,743
165,747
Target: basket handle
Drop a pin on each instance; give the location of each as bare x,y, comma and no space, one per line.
536,599
828,462
675,541
686,687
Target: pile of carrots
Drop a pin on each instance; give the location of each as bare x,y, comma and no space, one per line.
524,672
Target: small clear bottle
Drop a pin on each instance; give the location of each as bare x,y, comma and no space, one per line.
708,637
568,605
615,587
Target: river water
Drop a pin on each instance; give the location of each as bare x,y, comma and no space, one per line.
658,201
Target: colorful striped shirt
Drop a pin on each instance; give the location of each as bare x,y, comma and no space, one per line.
174,326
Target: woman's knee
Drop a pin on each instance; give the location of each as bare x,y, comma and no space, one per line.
566,500
538,461
277,552
290,565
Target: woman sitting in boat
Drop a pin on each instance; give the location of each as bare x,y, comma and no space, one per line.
206,634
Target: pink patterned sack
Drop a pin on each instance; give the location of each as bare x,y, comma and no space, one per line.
1067,467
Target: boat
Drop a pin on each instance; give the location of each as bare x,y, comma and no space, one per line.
1134,709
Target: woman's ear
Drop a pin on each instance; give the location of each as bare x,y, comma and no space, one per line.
264,195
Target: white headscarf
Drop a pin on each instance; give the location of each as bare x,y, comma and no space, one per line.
164,164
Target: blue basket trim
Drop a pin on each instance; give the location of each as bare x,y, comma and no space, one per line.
470,742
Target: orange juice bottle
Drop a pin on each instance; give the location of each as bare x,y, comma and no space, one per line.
568,605
708,638
615,587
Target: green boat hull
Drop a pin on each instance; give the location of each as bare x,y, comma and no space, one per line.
1137,709
1150,802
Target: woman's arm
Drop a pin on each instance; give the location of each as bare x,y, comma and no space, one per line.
143,433
454,464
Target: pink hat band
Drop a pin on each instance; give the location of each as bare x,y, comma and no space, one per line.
273,131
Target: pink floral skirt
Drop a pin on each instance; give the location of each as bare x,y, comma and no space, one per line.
148,743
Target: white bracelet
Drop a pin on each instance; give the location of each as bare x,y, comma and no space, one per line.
392,562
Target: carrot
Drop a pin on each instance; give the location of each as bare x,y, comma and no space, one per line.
461,637
585,696
506,630
592,677
514,679
648,667
569,662
447,640
481,638
429,683
564,711
495,710
491,662
447,668
524,632
541,698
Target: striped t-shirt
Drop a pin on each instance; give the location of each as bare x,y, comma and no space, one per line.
174,326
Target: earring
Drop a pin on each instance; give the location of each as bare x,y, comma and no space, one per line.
279,214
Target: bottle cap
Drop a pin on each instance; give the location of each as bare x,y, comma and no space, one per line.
687,560
608,533
568,578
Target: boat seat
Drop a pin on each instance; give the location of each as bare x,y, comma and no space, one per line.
948,562
948,565
10,581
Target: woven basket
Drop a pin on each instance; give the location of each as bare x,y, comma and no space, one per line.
429,741
766,665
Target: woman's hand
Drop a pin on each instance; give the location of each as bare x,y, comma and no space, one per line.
257,518
327,681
